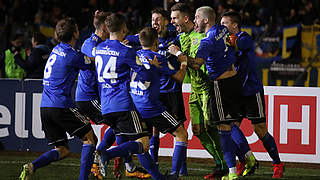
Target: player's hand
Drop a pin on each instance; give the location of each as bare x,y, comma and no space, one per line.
173,49
96,13
232,40
126,42
154,62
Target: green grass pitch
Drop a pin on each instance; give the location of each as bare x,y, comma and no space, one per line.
68,169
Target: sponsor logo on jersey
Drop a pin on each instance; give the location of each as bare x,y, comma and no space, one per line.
106,51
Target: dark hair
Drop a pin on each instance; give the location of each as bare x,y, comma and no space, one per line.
114,22
65,29
39,38
164,13
183,8
147,36
235,17
100,18
17,36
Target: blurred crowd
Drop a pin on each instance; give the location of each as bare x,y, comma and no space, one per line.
21,18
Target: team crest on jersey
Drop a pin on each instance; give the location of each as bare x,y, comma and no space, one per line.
195,41
94,38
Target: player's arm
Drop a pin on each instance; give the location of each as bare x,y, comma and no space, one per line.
179,75
82,61
133,40
194,63
168,69
244,41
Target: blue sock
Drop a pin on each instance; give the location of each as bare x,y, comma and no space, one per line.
241,157
147,162
183,170
120,140
240,140
46,159
86,160
107,140
179,156
228,148
154,147
124,150
271,146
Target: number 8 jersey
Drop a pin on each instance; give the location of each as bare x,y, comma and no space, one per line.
114,62
59,76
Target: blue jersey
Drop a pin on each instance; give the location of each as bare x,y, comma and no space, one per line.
167,83
145,94
114,62
87,80
246,64
134,41
59,76
213,49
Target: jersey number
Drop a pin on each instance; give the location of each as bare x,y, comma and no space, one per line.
48,68
138,84
109,71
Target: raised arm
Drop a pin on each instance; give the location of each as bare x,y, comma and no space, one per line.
194,63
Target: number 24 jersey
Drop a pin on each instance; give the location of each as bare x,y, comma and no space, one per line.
114,62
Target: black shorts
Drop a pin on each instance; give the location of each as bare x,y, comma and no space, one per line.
165,122
225,100
174,103
253,107
91,109
127,123
57,121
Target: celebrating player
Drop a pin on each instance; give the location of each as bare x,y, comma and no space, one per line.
253,94
58,113
145,95
170,89
202,126
114,60
219,59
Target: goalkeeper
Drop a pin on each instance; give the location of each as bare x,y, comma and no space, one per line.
202,127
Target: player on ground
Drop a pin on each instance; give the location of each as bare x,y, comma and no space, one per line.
202,126
219,59
58,112
114,60
145,95
253,94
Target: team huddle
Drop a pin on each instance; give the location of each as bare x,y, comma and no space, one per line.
133,84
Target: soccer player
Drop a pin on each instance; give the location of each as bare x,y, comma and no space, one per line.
253,94
58,113
202,127
87,98
145,95
219,59
88,101
170,89
114,61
